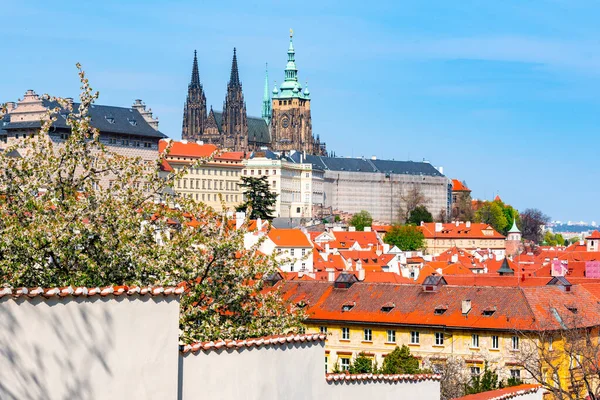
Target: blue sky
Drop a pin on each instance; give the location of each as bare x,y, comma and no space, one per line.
503,95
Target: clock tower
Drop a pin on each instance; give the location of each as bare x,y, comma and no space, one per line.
291,125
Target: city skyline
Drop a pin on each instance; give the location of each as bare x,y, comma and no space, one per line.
461,89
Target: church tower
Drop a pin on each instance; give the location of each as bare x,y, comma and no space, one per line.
194,112
291,125
266,104
235,122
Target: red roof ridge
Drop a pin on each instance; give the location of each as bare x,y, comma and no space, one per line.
504,393
260,341
82,291
382,377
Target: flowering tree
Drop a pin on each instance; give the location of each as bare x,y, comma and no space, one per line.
77,213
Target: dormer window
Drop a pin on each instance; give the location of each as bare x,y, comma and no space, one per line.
133,122
348,306
488,312
110,119
440,310
573,309
301,304
387,307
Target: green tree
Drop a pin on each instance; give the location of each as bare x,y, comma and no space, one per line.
361,364
419,214
76,213
549,239
405,237
259,198
484,382
361,219
400,361
574,240
492,213
510,214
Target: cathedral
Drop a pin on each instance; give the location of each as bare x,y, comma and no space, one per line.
285,123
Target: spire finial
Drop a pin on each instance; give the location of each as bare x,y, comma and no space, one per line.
195,81
234,78
266,104
291,33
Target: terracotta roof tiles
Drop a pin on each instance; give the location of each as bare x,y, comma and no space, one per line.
80,291
504,393
276,340
382,377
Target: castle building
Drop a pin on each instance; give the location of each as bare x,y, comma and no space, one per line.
285,123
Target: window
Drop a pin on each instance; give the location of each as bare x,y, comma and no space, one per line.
274,184
292,252
474,340
345,364
302,330
266,172
298,210
368,335
323,329
326,359
308,174
303,252
251,172
391,336
515,343
260,172
515,373
274,172
495,343
345,333
303,266
439,338
414,337
475,371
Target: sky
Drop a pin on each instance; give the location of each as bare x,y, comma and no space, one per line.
502,95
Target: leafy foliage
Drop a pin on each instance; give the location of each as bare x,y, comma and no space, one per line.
492,213
419,214
405,237
259,198
552,239
484,382
361,219
400,361
362,365
77,213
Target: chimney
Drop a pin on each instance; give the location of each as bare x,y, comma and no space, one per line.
200,142
468,223
386,248
457,223
438,226
367,229
454,258
258,224
466,306
351,229
361,275
330,274
239,219
327,250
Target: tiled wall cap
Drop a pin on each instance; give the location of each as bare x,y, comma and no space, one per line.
258,342
382,377
80,291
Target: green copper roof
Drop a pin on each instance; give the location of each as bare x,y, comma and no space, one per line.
266,105
514,228
291,87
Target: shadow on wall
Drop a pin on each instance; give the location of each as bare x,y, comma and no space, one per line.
35,371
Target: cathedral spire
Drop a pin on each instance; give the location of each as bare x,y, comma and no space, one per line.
266,106
234,80
195,81
291,72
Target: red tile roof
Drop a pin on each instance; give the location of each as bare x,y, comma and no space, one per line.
504,393
277,340
458,186
381,377
462,231
524,308
345,240
289,238
196,150
594,235
80,291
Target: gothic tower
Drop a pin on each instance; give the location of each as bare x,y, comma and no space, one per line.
194,112
291,126
235,123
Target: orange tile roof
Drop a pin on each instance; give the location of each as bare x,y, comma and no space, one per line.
594,235
345,240
333,261
504,393
289,238
275,340
524,308
189,149
458,186
80,291
388,277
381,228
452,231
